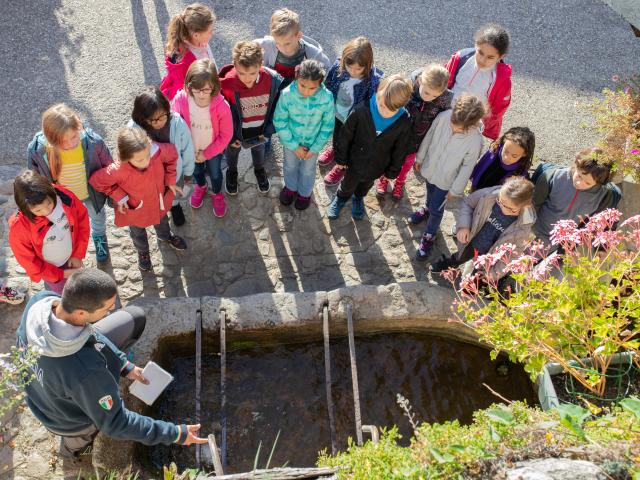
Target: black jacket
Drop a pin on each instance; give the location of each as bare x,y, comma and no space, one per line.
368,155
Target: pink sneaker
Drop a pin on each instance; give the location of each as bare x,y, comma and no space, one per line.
381,187
334,176
197,197
219,205
326,157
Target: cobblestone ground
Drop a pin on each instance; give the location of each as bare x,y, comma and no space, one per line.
259,246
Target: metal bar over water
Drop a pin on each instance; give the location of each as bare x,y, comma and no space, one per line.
354,375
198,375
223,388
327,378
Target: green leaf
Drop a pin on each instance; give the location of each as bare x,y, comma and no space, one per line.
457,448
441,457
631,404
575,412
495,436
501,415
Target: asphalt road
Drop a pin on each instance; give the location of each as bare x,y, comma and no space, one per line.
95,55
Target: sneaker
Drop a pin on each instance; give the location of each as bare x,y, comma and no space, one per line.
398,191
326,157
263,180
426,246
418,216
144,261
443,263
177,215
231,182
381,187
176,242
334,176
197,197
11,295
287,196
102,247
357,208
219,205
302,203
336,206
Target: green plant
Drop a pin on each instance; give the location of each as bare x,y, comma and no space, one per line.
617,118
585,303
16,371
171,473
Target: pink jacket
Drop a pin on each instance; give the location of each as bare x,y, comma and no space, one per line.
176,72
149,196
221,121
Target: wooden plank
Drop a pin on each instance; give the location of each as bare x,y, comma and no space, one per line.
223,387
215,454
354,376
198,377
278,474
327,378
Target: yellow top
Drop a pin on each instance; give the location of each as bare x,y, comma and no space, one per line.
72,172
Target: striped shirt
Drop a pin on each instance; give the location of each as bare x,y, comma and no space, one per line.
73,174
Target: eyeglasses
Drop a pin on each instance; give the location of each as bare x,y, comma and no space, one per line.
509,209
206,91
159,119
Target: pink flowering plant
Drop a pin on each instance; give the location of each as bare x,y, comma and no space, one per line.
617,117
564,308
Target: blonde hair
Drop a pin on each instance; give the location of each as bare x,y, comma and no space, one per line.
468,111
200,73
57,120
435,76
357,51
247,54
518,189
194,18
131,141
395,91
283,22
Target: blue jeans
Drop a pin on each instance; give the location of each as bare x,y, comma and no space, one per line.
436,200
213,168
299,175
97,220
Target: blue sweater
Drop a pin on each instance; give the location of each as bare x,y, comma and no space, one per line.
76,382
382,123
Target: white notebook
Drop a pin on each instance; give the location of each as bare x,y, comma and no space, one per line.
158,381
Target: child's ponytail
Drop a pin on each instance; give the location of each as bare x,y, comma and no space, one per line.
193,19
56,122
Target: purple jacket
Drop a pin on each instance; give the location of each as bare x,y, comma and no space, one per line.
489,158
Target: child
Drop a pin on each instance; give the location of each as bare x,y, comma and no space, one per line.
489,218
366,156
67,154
152,113
209,117
510,156
352,79
481,71
188,36
574,193
252,92
50,233
287,47
304,121
430,97
446,158
142,183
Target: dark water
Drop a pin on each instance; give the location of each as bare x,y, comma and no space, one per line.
281,388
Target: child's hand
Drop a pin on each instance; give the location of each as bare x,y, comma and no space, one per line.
69,271
175,188
123,208
309,155
236,144
74,262
417,167
451,197
301,152
200,158
463,235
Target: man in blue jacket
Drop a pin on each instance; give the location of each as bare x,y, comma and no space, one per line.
75,390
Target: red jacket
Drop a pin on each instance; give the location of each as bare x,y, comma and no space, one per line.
176,73
149,198
26,238
499,95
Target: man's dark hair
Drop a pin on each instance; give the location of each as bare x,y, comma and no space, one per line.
87,289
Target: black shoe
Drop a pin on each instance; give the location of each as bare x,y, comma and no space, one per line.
144,261
176,242
443,263
263,180
231,182
177,215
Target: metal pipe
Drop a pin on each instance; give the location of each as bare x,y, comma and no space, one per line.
373,430
327,378
354,375
198,375
223,389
